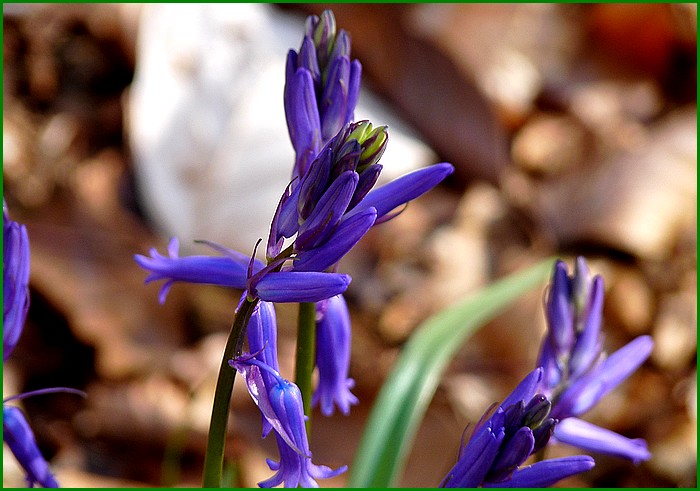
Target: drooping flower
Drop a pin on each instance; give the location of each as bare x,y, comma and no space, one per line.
280,403
16,431
333,332
577,372
501,443
321,89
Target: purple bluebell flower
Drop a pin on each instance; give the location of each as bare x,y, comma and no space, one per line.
280,403
333,332
501,443
577,372
16,431
322,86
234,270
20,438
15,283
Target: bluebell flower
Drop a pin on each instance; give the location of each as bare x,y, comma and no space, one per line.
280,403
16,431
500,445
233,269
333,332
321,90
577,372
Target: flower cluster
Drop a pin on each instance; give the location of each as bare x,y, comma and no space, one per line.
16,431
328,206
573,374
520,426
577,372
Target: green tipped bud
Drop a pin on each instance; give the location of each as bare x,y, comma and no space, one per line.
322,31
372,140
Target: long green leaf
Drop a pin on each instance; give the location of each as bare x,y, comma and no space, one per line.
407,392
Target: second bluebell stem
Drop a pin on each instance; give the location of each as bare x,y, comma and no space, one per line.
306,356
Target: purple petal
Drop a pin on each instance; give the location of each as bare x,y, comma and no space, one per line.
348,233
300,286
353,90
546,473
404,189
589,437
622,363
327,213
20,438
15,282
333,106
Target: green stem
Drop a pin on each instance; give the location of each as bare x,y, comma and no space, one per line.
306,356
214,458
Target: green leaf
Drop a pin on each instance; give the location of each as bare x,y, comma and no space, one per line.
407,392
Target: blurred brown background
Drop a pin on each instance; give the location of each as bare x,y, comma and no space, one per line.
573,129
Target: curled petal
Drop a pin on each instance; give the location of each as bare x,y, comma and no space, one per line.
404,189
546,473
300,286
300,106
560,311
581,434
20,438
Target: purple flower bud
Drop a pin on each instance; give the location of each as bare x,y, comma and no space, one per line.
333,333
15,283
348,233
20,438
327,213
229,270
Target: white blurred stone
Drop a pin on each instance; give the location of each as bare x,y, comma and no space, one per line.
206,121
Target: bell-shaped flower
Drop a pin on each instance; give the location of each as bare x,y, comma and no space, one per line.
279,401
16,431
577,372
235,270
500,445
333,335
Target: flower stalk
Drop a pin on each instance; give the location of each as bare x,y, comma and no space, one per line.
214,457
